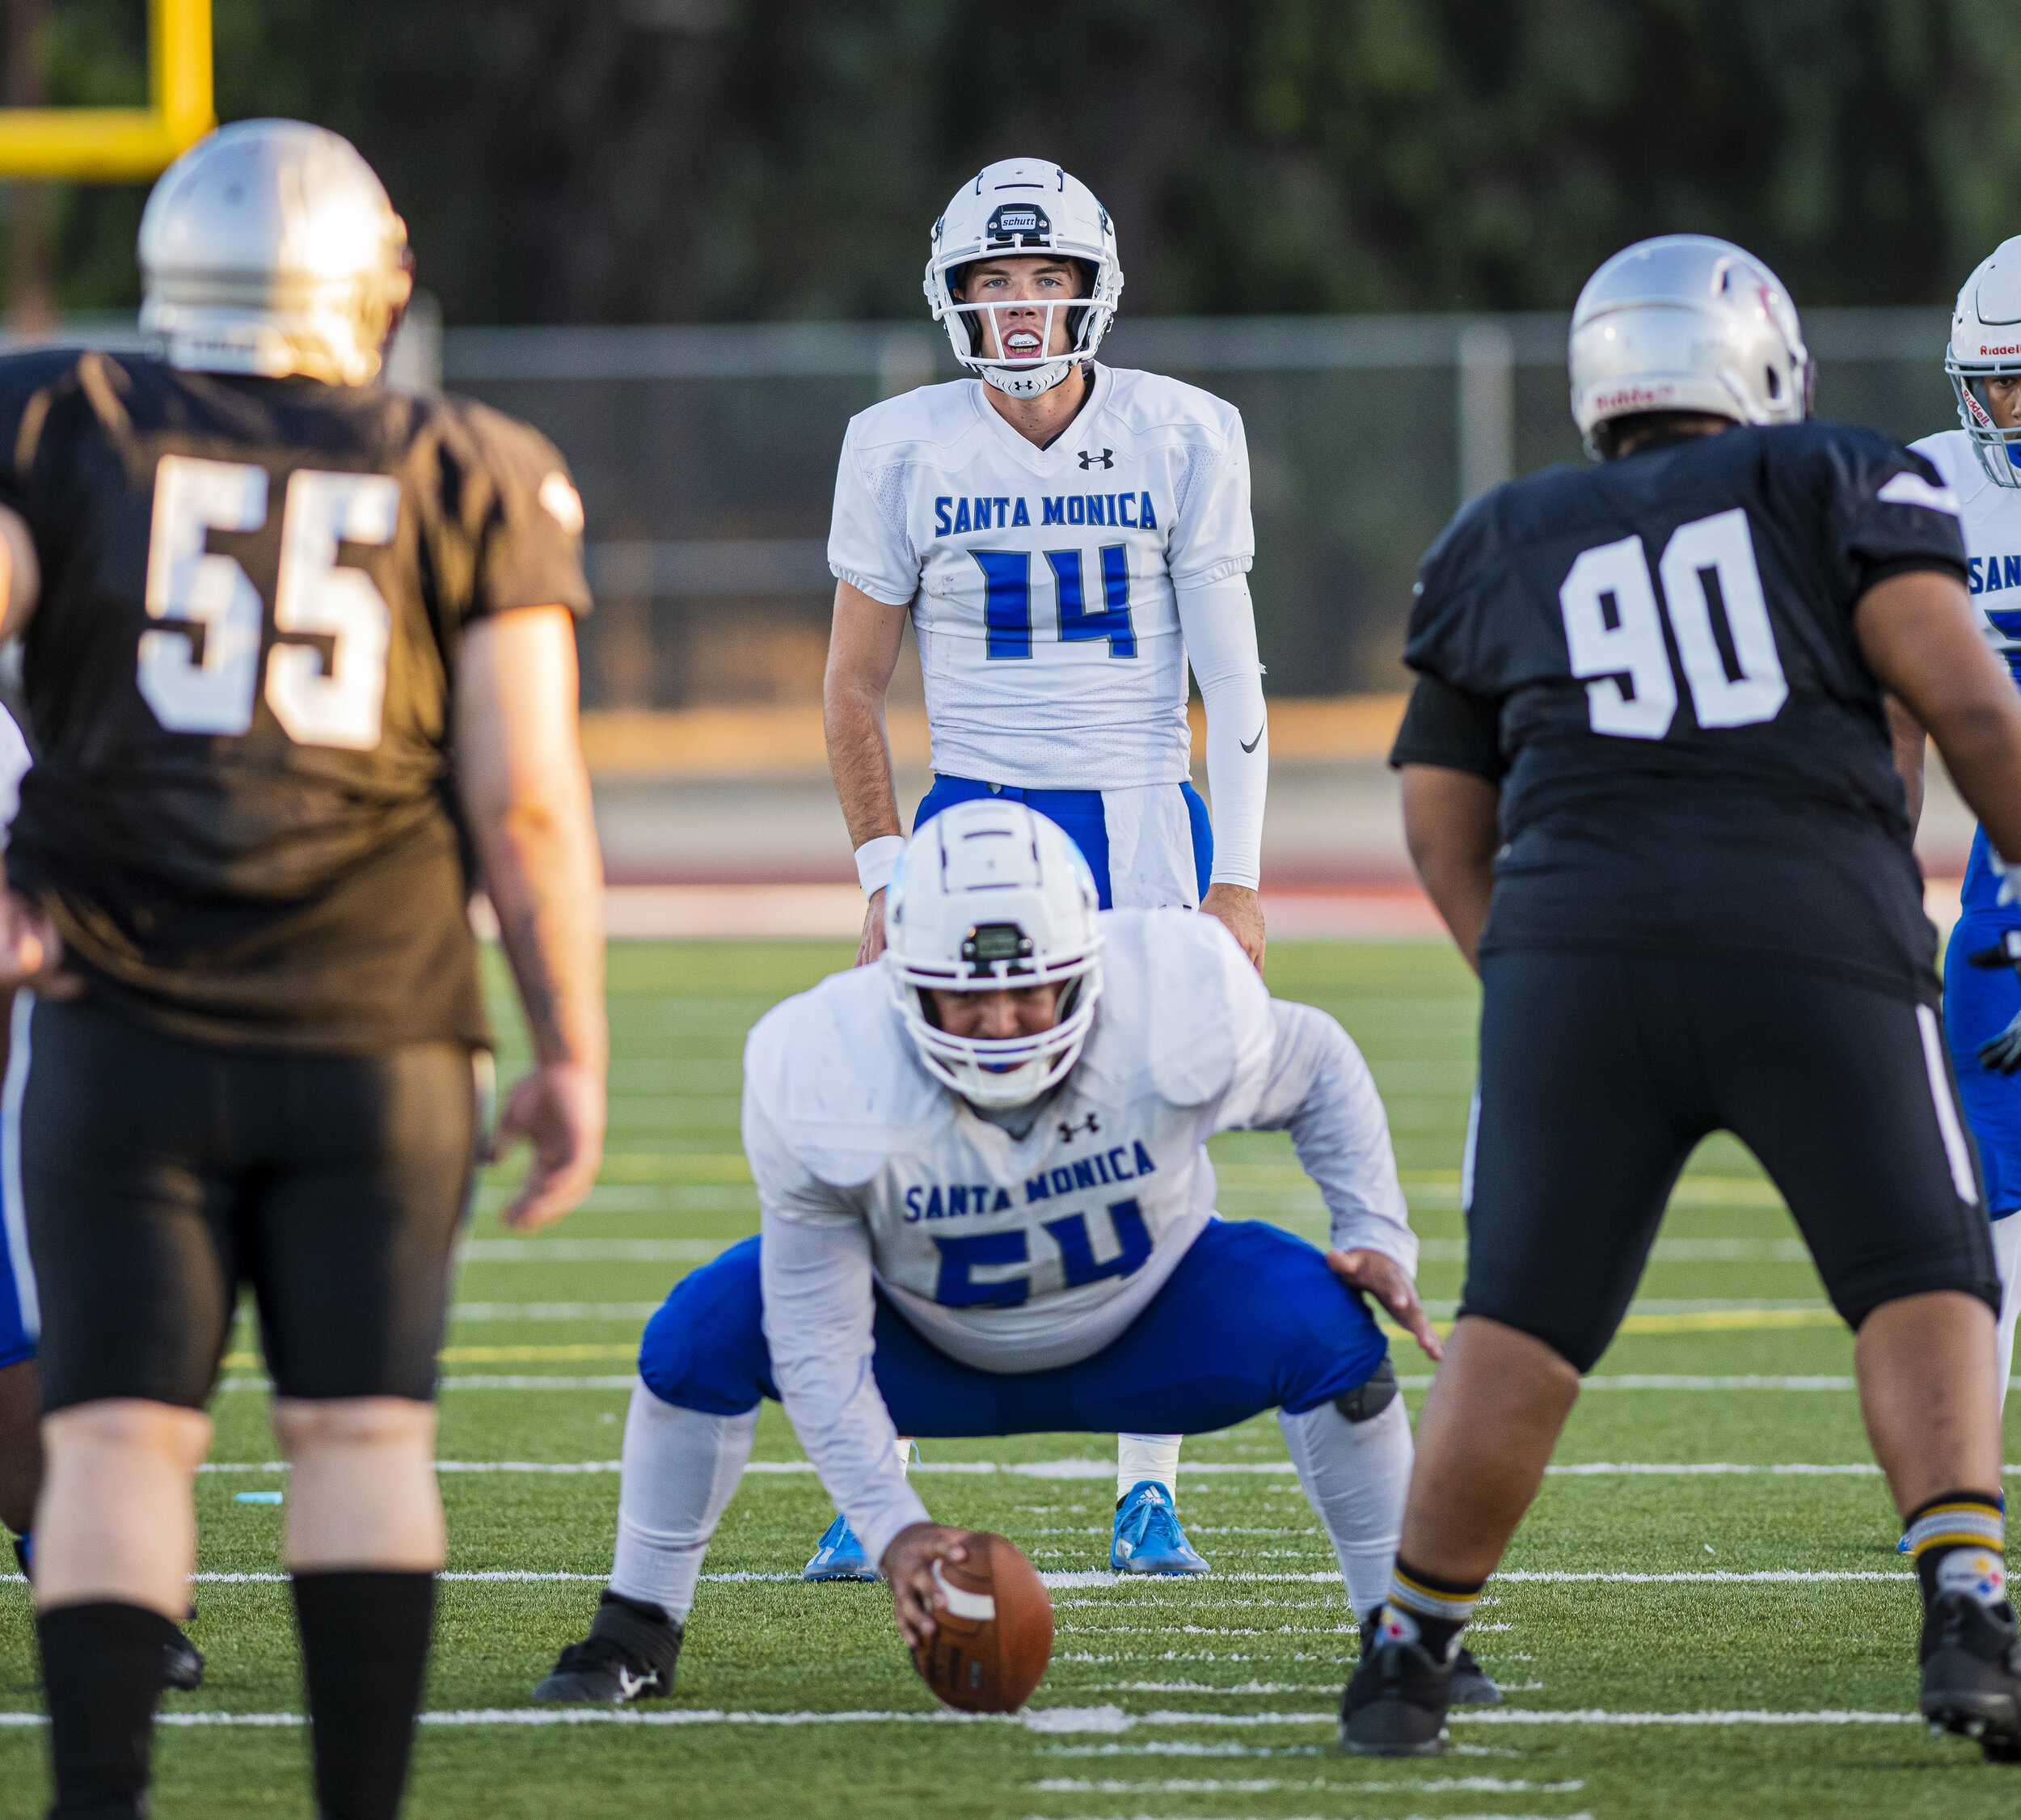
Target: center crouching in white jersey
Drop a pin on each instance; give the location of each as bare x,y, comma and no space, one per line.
932,1266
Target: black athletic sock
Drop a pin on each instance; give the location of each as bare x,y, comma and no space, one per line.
1958,1541
101,1674
1422,1608
364,1652
24,1553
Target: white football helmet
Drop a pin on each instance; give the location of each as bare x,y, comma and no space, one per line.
988,895
270,247
1687,322
1023,205
1986,343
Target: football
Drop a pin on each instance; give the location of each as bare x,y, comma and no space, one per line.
993,1635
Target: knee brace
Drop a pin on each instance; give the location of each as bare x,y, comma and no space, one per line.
1371,1397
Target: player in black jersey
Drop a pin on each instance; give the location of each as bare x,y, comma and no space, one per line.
299,663
1648,780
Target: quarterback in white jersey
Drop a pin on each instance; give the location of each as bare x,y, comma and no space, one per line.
1063,537
1982,1002
987,1209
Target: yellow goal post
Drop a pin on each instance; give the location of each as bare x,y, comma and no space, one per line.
125,144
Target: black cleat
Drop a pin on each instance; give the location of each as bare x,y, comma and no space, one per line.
1471,1684
1395,1705
1972,1673
182,1666
629,1655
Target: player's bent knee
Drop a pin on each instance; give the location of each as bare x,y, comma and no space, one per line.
1370,1399
395,1424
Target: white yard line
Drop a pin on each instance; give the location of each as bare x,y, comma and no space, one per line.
1079,1579
1052,1721
1069,1469
1645,1382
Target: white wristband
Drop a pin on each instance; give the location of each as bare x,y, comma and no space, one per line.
876,860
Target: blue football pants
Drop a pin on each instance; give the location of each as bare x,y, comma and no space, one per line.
1251,1319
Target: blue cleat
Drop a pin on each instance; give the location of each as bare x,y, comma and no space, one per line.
838,1555
1148,1539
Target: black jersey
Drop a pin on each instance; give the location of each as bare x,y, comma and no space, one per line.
238,679
1692,751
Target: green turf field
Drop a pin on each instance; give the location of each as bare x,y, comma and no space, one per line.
1211,1698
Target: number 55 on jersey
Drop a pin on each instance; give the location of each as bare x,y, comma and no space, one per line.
294,564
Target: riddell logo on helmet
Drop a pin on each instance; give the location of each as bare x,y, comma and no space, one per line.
2012,348
1630,396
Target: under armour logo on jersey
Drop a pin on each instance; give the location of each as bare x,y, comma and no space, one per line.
1068,1128
1106,458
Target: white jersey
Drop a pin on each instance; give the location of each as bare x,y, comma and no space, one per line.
1990,518
1024,1254
1041,580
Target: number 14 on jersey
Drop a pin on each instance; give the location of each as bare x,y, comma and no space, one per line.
206,683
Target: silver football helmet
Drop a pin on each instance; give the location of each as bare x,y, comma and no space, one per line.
1022,206
1985,343
1687,322
990,896
270,247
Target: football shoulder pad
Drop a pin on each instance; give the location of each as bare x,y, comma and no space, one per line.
1181,1003
836,1079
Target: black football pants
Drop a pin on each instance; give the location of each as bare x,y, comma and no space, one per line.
1599,1074
157,1174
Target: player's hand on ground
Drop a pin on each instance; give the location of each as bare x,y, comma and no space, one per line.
873,942
908,1565
559,1109
1389,1283
31,950
1241,910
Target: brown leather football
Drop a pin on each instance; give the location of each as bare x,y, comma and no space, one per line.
993,1635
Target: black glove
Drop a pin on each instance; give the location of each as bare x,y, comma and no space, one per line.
2002,1053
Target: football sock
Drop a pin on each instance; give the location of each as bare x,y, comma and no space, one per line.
1422,1608
681,1471
906,1450
24,1553
364,1653
2006,1251
101,1675
1139,1457
1356,1476
1958,1541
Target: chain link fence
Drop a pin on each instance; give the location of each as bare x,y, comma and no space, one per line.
706,454
706,457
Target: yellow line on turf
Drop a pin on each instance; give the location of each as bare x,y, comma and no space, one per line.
1703,1320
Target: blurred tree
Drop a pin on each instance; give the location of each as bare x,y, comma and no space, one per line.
631,160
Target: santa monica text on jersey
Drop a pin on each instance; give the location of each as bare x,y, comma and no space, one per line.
1116,1165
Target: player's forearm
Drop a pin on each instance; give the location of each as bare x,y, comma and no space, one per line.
1452,827
1219,626
1982,752
1321,1090
525,795
859,757
818,1313
544,876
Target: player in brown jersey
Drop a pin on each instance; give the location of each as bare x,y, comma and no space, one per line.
300,667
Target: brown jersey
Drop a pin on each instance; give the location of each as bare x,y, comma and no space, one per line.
238,681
